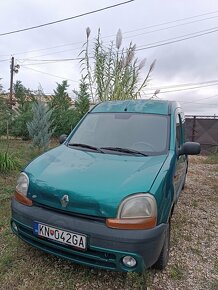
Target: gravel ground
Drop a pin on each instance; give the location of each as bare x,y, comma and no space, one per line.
193,260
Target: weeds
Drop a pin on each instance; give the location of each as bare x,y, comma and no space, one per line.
8,162
212,159
176,272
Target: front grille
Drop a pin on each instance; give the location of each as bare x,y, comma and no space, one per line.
89,217
89,257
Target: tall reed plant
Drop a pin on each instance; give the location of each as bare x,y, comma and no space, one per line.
112,71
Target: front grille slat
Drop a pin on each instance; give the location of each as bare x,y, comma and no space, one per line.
93,218
88,257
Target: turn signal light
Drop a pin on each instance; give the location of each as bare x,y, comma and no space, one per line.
132,224
23,199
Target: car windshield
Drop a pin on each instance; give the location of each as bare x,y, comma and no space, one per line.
147,133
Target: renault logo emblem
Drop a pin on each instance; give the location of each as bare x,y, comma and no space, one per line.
65,200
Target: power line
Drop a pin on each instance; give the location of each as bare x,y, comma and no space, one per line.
56,52
193,102
65,19
130,31
168,41
199,99
2,60
136,35
184,89
50,60
45,62
184,35
168,27
174,21
194,35
42,72
184,102
171,91
183,85
200,104
46,48
179,86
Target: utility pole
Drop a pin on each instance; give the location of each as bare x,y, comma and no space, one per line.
11,82
13,68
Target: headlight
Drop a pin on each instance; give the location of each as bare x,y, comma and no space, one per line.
138,206
22,183
137,212
22,188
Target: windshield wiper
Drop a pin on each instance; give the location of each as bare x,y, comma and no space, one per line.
86,146
125,150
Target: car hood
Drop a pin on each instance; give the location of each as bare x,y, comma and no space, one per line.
95,183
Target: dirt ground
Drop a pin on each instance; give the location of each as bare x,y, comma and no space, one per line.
193,260
194,247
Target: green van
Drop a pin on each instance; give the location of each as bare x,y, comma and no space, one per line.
105,196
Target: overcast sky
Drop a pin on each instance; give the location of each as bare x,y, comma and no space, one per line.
192,61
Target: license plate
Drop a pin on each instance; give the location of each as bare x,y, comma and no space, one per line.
68,238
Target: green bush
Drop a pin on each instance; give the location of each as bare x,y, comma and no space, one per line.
23,111
39,127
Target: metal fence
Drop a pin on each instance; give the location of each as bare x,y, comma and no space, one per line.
203,129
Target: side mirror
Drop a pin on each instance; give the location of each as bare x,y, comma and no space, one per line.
62,138
190,148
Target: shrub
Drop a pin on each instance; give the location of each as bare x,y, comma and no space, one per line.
62,112
82,102
40,127
23,112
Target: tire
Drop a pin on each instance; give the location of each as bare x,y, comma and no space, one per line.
164,255
183,186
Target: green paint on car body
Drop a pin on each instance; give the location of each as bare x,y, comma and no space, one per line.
98,178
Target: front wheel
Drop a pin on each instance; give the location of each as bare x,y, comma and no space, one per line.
183,185
164,255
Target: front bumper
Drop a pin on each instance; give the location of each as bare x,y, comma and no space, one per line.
106,246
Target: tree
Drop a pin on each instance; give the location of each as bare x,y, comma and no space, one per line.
62,112
5,113
113,73
8,161
40,127
82,102
1,88
24,99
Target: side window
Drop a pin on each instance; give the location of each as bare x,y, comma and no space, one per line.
178,131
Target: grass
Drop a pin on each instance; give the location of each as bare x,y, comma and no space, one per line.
176,272
195,204
196,251
216,266
23,267
212,159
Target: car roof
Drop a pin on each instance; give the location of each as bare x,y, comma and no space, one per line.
149,106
